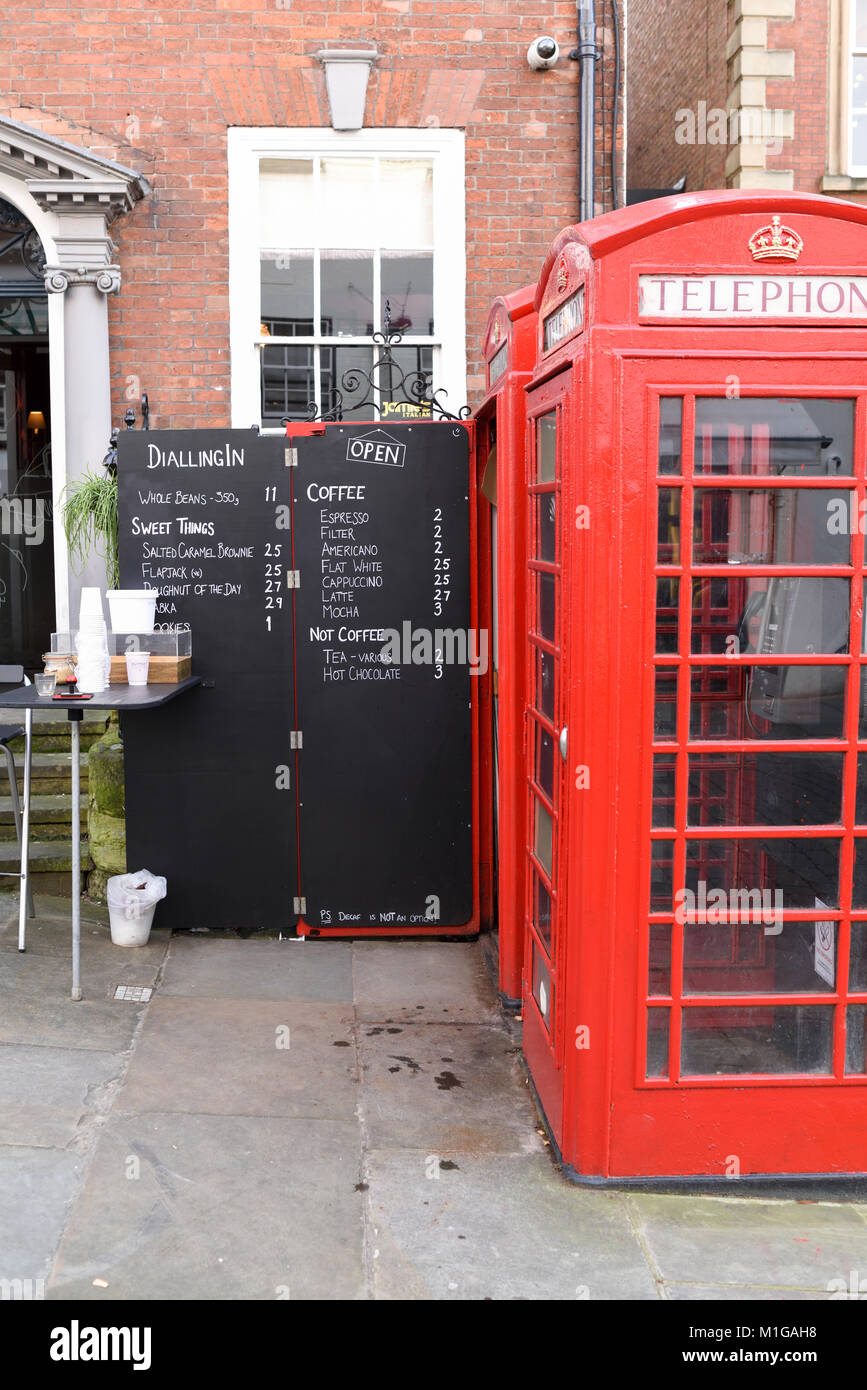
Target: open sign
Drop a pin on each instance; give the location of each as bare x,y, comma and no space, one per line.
376,447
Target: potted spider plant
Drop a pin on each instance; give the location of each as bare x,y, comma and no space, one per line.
89,512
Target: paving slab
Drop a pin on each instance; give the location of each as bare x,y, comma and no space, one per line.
496,1227
727,1240
438,981
252,969
35,1007
47,1092
450,1088
36,1189
243,1057
225,1207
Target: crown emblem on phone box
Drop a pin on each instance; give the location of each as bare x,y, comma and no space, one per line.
775,242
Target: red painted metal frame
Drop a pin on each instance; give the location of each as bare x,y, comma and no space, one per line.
607,1118
480,602
511,325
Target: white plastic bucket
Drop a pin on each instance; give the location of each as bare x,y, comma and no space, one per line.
132,610
132,902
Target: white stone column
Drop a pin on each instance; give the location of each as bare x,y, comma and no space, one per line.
87,388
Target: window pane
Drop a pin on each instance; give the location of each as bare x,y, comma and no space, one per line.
783,526
861,40
287,382
657,1042
859,134
659,963
669,526
406,202
407,288
858,958
543,836
670,427
543,992
799,438
545,683
542,912
859,876
665,706
544,769
666,614
286,208
287,293
764,702
765,788
770,1041
770,958
772,616
662,876
410,380
546,613
348,203
856,1051
796,872
546,519
346,370
663,789
546,449
347,293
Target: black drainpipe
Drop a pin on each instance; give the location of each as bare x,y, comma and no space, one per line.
587,56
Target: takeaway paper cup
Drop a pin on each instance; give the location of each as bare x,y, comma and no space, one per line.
137,667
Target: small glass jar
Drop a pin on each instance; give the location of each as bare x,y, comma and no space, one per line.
62,664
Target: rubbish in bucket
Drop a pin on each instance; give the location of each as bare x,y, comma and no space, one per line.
132,901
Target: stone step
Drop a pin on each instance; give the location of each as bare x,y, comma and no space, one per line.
51,729
51,773
50,816
46,856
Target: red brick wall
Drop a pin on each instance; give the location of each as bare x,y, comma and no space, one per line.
676,60
155,88
807,95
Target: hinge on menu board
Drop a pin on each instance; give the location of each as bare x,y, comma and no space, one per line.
296,739
290,458
293,579
299,905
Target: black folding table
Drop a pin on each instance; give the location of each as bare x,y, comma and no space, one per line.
119,697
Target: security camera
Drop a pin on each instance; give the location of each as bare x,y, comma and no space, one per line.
543,52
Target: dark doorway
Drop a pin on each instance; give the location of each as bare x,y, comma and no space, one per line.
27,611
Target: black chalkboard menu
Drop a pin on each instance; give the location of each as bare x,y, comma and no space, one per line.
384,655
204,517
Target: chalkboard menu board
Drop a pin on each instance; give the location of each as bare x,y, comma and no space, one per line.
384,654
205,517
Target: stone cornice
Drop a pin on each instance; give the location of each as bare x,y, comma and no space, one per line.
62,177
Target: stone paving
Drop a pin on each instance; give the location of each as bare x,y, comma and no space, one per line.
327,1120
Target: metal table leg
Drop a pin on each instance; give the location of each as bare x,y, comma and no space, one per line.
75,716
25,902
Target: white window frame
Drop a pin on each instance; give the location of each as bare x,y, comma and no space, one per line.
853,52
246,145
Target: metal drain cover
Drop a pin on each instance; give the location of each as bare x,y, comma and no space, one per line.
134,994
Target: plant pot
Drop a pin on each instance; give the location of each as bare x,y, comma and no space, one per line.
132,610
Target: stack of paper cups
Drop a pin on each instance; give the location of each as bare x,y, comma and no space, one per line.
94,661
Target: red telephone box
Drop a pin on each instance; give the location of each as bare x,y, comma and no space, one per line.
509,347
695,782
